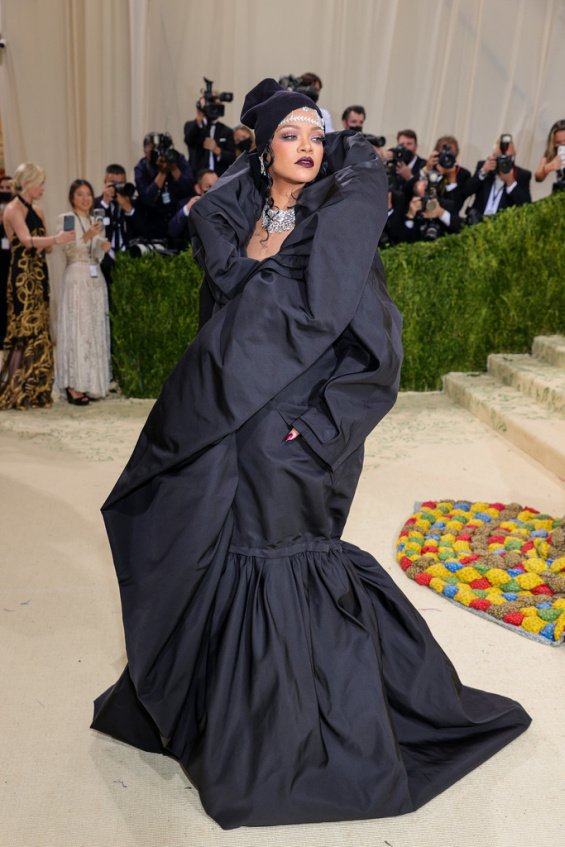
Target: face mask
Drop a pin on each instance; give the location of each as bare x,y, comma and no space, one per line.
5,197
244,145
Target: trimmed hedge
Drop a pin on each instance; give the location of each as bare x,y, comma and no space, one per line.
491,288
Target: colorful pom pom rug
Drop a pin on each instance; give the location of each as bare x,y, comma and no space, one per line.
504,562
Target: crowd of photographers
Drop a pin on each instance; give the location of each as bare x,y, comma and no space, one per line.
427,198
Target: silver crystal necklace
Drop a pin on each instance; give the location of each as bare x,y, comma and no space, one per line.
278,220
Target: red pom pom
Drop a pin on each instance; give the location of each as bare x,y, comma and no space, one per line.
542,589
429,504
480,603
515,618
531,509
404,533
405,563
496,539
498,506
481,583
527,545
464,536
466,560
429,548
410,522
423,578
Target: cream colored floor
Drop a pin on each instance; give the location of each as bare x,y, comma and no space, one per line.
63,785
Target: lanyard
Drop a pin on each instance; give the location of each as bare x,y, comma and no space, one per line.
84,233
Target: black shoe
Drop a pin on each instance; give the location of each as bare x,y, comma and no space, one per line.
82,400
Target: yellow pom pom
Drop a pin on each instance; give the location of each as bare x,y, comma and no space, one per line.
529,610
546,524
525,515
495,598
495,546
467,574
509,526
494,513
558,565
461,546
535,565
542,548
437,584
438,570
479,507
529,580
559,604
464,597
496,576
411,547
423,524
533,624
559,627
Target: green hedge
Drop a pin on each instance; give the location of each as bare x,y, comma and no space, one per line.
489,289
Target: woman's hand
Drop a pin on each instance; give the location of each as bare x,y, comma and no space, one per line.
92,231
292,435
106,245
64,237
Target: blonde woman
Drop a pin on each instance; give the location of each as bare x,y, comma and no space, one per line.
26,378
553,160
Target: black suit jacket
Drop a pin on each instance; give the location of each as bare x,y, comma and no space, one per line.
481,188
199,158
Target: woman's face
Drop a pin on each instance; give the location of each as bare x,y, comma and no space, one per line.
559,138
35,190
82,199
298,148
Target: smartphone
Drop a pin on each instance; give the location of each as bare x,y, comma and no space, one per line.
68,223
98,215
561,153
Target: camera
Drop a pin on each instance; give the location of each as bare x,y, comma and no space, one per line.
124,189
162,148
429,199
447,157
375,140
213,106
400,153
504,162
295,83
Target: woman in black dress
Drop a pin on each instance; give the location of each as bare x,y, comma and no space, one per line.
26,378
280,665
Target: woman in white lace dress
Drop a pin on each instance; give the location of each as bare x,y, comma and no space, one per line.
83,327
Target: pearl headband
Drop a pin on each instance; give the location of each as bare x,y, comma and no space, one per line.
316,121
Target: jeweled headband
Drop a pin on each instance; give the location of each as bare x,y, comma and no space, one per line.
268,104
317,121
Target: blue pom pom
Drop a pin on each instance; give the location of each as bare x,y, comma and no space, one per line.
450,590
509,595
544,605
463,506
453,566
539,533
483,516
514,572
548,631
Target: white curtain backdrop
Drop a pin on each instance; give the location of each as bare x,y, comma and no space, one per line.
81,82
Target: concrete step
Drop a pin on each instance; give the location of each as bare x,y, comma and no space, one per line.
531,376
551,349
526,423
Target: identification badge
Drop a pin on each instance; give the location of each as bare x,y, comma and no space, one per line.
5,244
94,270
106,221
166,197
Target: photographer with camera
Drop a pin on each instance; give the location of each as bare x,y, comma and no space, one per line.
353,118
210,142
498,182
163,178
443,160
407,163
178,226
431,213
553,160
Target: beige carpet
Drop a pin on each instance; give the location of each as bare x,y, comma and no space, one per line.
63,785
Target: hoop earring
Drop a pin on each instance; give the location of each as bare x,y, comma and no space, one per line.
262,164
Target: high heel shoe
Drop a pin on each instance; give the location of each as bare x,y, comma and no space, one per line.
81,400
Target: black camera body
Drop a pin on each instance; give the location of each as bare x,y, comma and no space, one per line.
447,158
504,162
295,83
400,153
213,107
124,189
163,148
375,140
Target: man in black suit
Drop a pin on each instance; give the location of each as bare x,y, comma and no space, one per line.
210,142
498,183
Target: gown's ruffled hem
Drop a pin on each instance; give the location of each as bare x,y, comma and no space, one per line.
319,695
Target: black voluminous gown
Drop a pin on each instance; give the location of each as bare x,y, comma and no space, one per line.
279,664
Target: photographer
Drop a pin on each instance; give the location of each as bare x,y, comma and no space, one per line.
210,142
431,213
553,160
353,118
178,226
407,163
443,160
498,182
163,178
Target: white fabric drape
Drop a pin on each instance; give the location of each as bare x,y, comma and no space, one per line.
81,83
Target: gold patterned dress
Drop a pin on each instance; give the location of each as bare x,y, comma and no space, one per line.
26,378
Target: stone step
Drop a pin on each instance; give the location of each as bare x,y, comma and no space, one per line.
551,349
531,376
527,424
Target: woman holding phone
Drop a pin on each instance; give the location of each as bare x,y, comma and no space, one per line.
83,328
26,378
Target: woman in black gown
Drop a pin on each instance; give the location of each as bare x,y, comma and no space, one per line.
280,665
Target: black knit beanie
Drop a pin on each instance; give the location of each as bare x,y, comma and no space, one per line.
266,105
